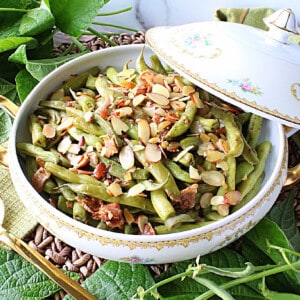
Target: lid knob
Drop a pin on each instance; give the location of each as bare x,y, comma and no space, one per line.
282,24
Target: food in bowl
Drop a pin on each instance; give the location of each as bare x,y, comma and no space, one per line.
143,151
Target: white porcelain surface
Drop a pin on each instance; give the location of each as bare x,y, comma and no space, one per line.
137,248
241,64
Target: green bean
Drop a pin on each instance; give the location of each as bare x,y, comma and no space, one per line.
31,150
190,141
163,229
56,104
249,154
159,172
62,159
65,190
187,159
49,186
79,213
254,130
263,150
86,102
36,130
153,186
156,65
213,216
91,128
78,81
233,134
99,191
140,64
74,112
184,122
161,204
70,176
62,205
90,82
112,75
208,125
243,169
251,194
53,115
177,172
243,118
31,166
101,84
90,139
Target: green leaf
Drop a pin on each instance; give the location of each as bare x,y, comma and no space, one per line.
283,215
40,68
20,280
8,90
75,16
19,56
14,42
117,281
5,126
25,83
268,232
36,21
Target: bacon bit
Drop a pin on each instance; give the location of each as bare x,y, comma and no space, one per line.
79,171
188,197
39,178
90,204
111,214
220,131
100,171
40,162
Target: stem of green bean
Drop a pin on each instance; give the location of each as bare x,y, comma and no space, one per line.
116,12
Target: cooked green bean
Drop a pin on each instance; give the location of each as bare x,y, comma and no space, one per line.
156,65
112,75
90,139
36,130
55,104
162,205
253,130
79,213
91,128
177,172
243,169
62,205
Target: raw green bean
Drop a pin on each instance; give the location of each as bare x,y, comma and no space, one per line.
99,191
101,85
90,82
31,150
161,204
184,122
54,116
36,130
243,118
86,102
49,186
254,130
243,169
177,172
263,150
233,133
78,81
31,166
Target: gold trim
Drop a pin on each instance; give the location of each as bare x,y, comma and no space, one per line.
294,90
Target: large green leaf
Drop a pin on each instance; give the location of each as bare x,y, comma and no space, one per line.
75,16
14,42
25,83
117,281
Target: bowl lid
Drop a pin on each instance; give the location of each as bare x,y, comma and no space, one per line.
257,70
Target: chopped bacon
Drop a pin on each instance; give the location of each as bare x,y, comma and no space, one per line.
188,197
111,214
39,178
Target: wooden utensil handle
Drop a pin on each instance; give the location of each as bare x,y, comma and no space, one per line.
70,286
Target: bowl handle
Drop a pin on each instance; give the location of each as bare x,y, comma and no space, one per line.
11,108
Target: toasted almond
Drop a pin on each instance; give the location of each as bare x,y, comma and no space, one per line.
205,138
217,200
160,111
65,123
152,153
187,90
118,125
49,131
164,124
154,140
123,111
213,178
64,144
160,89
205,199
233,197
114,189
126,157
136,189
183,153
143,130
158,98
74,148
150,111
128,176
223,165
175,96
128,216
137,100
194,173
179,83
223,210
153,129
214,156
178,105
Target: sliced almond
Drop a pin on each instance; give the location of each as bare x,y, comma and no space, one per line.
233,197
64,144
137,100
213,178
178,105
187,90
152,153
74,148
160,89
118,125
49,131
158,98
114,189
217,200
214,156
126,157
194,173
153,129
136,189
223,210
164,124
128,216
65,123
205,200
123,111
143,130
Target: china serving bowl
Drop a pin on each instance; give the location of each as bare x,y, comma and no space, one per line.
139,248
